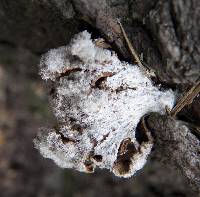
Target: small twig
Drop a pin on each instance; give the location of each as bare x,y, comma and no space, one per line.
132,50
187,99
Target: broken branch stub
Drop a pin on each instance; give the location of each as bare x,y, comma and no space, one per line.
98,102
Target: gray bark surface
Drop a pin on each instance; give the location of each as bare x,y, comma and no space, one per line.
177,146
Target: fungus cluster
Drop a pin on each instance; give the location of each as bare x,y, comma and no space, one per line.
98,102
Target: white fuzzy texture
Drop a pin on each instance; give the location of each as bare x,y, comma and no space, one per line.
54,63
107,114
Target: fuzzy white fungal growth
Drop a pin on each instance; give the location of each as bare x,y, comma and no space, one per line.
98,102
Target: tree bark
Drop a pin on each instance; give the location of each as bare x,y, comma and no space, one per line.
177,145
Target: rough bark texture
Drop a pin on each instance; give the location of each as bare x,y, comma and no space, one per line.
177,145
164,33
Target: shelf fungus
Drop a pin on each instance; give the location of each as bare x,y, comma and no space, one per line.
98,102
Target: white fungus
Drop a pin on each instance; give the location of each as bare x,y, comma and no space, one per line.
98,101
